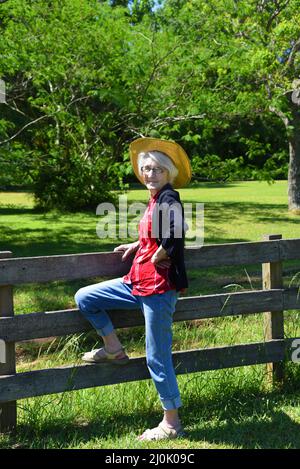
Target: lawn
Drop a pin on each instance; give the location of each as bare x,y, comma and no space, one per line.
233,408
240,211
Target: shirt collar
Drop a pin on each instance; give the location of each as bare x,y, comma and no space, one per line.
165,187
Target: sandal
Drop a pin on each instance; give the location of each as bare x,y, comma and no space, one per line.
162,432
101,355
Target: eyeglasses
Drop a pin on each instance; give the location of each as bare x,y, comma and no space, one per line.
148,169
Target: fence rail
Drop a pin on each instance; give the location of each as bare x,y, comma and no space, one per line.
42,269
70,321
70,378
272,300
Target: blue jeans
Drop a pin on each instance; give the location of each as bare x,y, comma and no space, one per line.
94,300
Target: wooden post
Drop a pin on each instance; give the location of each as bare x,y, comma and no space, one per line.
273,321
8,410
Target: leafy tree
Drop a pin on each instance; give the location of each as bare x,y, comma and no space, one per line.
82,81
74,86
86,77
140,8
246,61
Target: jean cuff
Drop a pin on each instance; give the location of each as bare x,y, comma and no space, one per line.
106,330
170,404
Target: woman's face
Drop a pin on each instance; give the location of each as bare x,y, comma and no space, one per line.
154,176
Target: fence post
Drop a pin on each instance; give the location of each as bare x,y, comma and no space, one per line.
273,321
8,410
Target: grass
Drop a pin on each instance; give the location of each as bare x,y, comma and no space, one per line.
241,211
233,408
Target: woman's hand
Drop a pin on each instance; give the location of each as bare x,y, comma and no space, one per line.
160,258
127,249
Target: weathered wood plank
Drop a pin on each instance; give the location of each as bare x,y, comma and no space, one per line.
273,320
69,378
8,411
291,299
289,249
232,254
43,269
75,266
59,323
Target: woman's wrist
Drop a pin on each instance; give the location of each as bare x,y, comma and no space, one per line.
160,255
135,245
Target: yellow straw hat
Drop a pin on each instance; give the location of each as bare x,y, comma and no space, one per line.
174,151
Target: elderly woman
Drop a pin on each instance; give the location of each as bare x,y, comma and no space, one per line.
156,277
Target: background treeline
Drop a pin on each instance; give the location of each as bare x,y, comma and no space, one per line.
84,77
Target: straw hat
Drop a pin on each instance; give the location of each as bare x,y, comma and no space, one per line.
174,151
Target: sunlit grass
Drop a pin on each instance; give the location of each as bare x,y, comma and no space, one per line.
233,408
240,211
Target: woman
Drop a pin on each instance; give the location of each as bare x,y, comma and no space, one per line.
155,279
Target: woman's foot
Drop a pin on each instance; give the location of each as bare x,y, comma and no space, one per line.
162,432
103,355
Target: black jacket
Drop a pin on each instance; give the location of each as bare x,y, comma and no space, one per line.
172,239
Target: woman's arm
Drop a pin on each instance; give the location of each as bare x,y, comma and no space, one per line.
161,258
171,224
127,249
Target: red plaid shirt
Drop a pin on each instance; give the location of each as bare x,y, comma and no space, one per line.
145,277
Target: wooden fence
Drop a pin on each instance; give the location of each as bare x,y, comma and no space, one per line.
272,300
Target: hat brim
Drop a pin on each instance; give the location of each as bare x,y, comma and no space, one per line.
174,151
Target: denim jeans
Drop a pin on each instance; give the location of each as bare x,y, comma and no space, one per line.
94,300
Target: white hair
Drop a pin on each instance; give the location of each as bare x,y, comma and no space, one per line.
161,159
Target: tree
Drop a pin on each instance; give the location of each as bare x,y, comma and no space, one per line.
83,80
73,96
246,58
86,77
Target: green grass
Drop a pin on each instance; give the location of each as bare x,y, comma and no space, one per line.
233,408
241,211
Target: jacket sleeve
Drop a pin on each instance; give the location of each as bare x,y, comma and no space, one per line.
171,224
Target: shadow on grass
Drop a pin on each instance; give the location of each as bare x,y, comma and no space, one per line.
18,210
235,420
76,232
276,430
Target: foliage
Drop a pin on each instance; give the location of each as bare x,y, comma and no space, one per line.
213,168
241,63
80,82
84,78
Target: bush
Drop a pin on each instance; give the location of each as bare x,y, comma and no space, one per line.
213,168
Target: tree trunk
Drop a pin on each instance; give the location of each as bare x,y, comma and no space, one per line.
294,163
